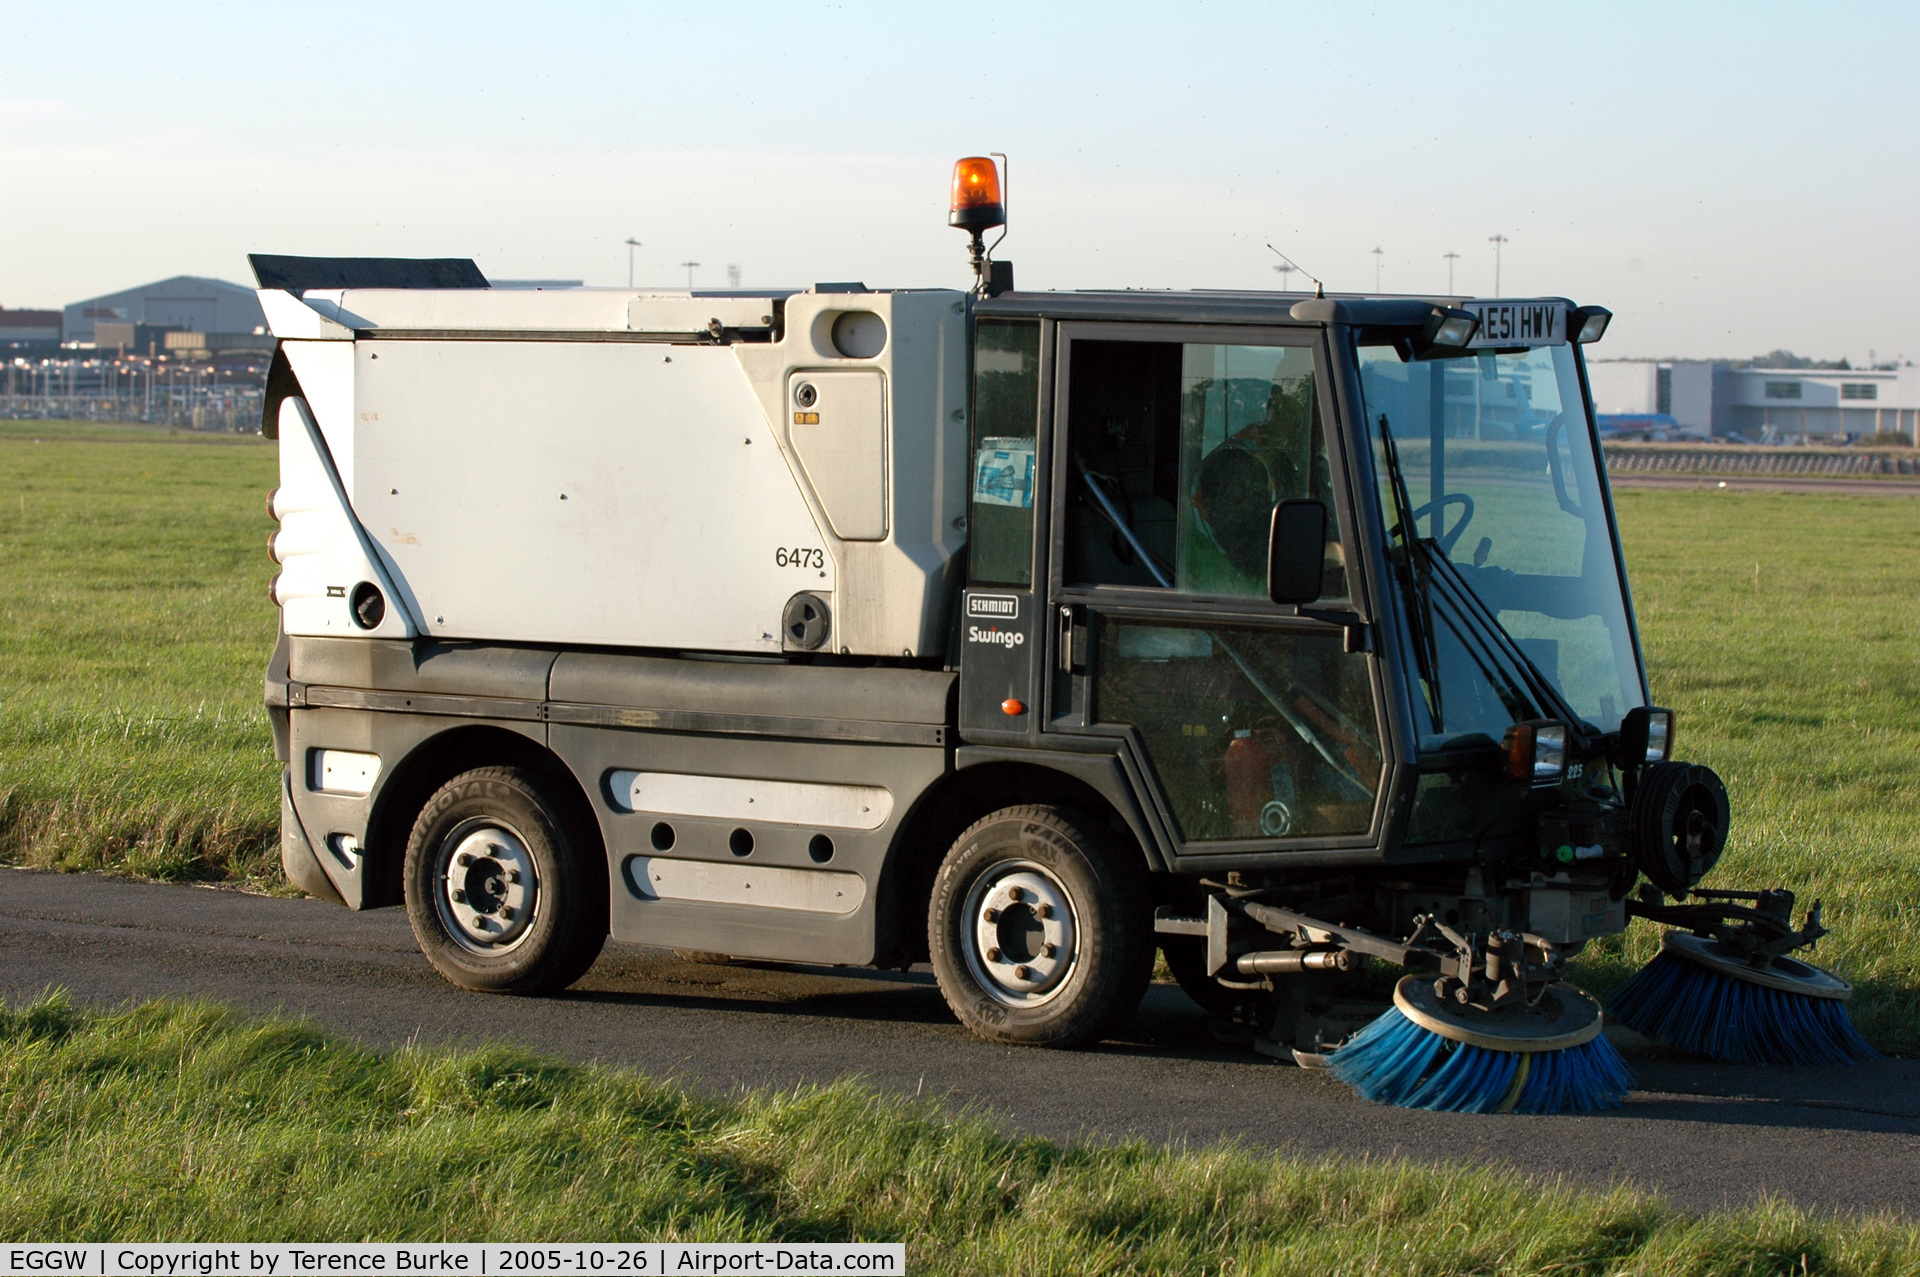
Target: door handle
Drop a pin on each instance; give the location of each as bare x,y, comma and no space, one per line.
1070,641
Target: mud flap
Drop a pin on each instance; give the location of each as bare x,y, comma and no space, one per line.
296,849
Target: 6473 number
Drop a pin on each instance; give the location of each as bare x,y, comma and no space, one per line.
799,558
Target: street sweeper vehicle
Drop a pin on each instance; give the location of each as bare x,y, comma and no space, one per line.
1019,633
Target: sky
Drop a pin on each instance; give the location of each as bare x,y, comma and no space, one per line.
1728,179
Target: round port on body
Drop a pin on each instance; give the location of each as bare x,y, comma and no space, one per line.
805,395
369,605
859,334
806,621
820,849
663,837
740,842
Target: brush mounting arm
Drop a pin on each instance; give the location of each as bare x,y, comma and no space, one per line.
1496,970
1757,924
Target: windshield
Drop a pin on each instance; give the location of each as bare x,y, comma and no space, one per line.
1502,471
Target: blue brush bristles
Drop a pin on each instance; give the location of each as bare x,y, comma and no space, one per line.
1696,1009
1395,1061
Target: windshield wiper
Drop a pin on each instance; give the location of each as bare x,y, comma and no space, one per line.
1426,649
1547,696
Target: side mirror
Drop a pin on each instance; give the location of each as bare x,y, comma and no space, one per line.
1296,557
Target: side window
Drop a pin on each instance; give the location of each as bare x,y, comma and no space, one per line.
1180,451
1006,405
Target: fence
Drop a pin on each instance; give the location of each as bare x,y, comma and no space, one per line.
1675,458
192,397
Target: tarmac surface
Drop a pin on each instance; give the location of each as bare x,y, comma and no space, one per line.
1768,483
1706,1136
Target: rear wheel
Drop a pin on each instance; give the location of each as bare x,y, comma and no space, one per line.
505,894
1039,929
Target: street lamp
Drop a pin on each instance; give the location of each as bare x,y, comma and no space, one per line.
1451,259
631,245
689,266
1496,241
1378,255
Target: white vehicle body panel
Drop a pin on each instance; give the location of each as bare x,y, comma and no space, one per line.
320,547
602,472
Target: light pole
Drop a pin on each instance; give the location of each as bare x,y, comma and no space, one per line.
689,266
631,245
1285,270
1451,259
1496,241
1378,255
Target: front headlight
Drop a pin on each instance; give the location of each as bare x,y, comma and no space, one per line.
1646,736
1537,752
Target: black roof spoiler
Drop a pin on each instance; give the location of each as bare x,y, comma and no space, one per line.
298,274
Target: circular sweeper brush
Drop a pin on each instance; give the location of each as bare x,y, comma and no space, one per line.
1434,1052
1706,996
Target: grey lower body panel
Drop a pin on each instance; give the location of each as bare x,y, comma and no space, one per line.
691,892
361,866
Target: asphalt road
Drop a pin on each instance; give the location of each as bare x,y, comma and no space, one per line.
1769,483
1706,1136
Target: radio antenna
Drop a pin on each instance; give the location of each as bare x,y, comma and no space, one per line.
1319,289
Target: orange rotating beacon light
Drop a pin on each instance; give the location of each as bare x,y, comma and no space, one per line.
978,206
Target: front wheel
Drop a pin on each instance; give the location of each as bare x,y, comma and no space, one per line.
504,893
1039,930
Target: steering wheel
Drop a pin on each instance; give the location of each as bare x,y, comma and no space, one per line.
1449,536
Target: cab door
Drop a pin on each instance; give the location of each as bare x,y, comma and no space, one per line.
1256,727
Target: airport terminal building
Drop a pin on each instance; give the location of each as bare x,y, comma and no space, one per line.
1818,405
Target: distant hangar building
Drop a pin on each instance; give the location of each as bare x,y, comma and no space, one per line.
1831,405
188,303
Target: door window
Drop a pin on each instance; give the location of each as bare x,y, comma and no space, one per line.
1253,733
1178,454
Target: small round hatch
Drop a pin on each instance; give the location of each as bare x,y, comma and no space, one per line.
859,334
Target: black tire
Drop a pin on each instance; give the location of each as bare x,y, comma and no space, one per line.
1017,882
506,893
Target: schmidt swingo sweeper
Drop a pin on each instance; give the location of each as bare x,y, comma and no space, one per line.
1021,633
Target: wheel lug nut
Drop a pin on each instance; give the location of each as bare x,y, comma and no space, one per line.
1016,894
513,875
1044,911
993,955
479,923
1049,950
991,915
459,896
506,913
463,860
1023,973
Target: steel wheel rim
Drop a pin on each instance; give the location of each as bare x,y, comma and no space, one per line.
1019,933
486,888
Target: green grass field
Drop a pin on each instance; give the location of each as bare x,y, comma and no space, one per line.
134,629
186,1122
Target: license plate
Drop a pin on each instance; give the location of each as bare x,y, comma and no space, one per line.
1520,323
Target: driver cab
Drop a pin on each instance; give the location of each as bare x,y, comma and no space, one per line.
1173,447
